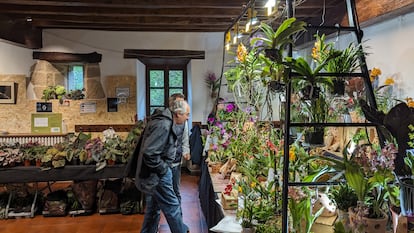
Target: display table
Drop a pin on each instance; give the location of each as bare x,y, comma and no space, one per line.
21,174
212,211
210,187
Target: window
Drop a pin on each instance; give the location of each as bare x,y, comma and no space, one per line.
75,77
163,82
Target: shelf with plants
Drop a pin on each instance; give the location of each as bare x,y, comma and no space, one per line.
300,169
371,183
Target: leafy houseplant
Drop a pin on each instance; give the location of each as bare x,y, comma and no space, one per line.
274,43
346,62
344,197
312,94
253,72
300,210
368,170
54,92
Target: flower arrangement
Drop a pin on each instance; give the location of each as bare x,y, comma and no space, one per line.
227,114
369,172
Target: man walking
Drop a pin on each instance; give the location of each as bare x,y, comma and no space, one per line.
158,150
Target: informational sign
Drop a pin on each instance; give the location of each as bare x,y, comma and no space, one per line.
43,107
122,92
88,107
46,123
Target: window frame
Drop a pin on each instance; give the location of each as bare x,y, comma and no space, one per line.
69,67
166,69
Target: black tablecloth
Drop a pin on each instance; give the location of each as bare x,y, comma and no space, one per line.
211,209
21,174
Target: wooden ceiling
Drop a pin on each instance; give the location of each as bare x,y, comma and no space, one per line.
144,15
25,18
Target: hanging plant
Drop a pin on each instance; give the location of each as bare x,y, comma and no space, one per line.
213,83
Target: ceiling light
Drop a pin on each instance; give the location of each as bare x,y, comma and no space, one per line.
237,33
251,18
269,5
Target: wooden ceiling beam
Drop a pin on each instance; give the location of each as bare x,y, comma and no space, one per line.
212,4
125,12
132,20
138,27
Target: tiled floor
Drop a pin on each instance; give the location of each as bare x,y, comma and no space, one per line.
112,223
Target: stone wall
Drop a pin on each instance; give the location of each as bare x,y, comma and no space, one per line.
16,118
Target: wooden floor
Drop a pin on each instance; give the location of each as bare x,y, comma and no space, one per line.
112,223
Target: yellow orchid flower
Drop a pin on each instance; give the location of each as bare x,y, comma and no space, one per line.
241,52
292,155
375,72
410,102
389,81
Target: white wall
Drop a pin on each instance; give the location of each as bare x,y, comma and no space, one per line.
112,44
391,45
14,59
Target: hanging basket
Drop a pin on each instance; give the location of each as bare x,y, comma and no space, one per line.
214,94
276,86
310,92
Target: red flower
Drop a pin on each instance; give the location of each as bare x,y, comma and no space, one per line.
228,189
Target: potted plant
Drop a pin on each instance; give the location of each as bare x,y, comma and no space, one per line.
29,152
345,198
368,170
54,92
246,211
274,43
115,150
10,155
54,157
345,62
407,182
312,94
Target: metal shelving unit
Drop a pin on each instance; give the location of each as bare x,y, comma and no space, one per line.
353,28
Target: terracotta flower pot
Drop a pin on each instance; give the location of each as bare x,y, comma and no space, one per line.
27,163
375,225
370,225
111,162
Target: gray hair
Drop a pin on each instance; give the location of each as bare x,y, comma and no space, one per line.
174,97
179,106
